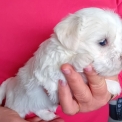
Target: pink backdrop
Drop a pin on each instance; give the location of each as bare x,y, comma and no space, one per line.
24,24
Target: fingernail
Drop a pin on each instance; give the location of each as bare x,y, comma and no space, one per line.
62,83
66,71
88,69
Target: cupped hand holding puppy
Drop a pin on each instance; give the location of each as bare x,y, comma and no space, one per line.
85,97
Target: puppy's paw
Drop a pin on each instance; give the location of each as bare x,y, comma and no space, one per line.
46,115
53,108
113,87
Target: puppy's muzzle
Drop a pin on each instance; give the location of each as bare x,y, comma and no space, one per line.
121,57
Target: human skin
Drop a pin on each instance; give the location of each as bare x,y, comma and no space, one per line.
85,96
8,115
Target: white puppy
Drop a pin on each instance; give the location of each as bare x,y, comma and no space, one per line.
89,36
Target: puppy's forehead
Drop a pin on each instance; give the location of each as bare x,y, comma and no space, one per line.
117,43
106,21
99,15
98,24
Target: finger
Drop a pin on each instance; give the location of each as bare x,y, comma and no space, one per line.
115,78
93,76
96,83
68,104
79,89
17,119
57,120
35,119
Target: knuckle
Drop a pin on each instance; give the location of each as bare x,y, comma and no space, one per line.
103,102
83,96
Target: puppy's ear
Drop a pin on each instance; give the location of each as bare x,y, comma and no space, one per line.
67,32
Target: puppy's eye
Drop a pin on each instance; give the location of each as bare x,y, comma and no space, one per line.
103,42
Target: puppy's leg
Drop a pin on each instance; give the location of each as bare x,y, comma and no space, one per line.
45,115
53,95
113,87
52,90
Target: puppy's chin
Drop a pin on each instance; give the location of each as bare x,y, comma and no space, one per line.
106,70
108,74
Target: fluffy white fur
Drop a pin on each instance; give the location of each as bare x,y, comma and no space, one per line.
76,41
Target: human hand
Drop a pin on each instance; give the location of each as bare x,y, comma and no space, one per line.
8,115
86,97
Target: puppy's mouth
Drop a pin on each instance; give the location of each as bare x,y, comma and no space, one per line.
108,67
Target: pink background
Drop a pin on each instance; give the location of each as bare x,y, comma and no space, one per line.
24,24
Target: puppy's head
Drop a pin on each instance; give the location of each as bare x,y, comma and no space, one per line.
97,33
